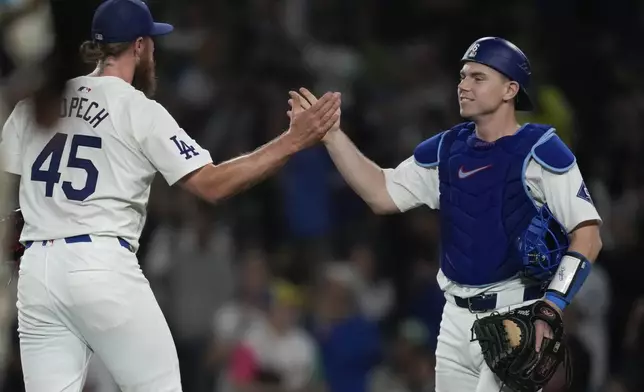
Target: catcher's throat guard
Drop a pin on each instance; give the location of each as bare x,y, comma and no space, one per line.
508,344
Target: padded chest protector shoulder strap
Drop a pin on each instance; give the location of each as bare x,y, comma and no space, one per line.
427,153
552,153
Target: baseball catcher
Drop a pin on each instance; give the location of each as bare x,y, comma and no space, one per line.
519,230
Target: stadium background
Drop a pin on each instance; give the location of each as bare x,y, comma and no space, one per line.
302,244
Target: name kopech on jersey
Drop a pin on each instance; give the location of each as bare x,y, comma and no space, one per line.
84,108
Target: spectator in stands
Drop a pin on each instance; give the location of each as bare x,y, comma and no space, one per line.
629,377
276,354
411,363
233,321
591,306
376,294
426,300
350,344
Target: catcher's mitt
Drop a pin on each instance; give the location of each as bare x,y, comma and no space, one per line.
508,344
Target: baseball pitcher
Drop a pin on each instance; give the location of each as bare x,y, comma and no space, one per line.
83,192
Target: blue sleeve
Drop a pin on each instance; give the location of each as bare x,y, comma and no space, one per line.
426,153
553,154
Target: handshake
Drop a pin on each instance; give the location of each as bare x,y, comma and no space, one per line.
311,119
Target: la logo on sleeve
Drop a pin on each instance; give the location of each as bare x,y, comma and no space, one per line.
185,149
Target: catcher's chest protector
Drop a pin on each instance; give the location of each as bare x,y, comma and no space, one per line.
484,205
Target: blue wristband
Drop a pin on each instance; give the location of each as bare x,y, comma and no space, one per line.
557,300
570,276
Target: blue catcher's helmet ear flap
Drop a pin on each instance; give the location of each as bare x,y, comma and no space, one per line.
542,246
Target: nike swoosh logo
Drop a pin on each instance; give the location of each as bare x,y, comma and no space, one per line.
464,174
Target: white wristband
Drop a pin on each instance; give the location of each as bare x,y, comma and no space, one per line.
571,274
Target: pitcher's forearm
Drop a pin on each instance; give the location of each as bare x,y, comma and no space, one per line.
218,182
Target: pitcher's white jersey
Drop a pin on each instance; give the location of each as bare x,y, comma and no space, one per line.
92,173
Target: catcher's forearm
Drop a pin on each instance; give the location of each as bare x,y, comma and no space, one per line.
575,265
363,176
587,241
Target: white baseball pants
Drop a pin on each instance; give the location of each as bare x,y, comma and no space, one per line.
76,299
460,366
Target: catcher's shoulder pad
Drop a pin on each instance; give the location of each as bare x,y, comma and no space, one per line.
553,154
427,153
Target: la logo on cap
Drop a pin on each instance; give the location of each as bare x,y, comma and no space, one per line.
471,52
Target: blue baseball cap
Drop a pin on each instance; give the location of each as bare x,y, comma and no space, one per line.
125,21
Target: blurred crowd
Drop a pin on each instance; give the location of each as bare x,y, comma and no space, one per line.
296,285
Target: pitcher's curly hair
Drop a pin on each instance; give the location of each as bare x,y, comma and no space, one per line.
94,52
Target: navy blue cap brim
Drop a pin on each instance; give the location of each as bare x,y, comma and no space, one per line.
161,29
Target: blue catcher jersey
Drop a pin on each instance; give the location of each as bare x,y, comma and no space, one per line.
485,206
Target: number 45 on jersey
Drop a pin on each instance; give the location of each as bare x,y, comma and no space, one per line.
51,176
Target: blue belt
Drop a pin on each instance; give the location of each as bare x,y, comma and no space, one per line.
85,238
487,302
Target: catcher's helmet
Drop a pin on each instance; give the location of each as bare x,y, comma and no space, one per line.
507,58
